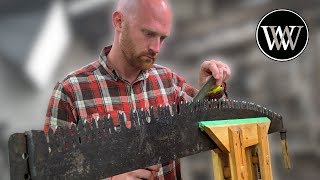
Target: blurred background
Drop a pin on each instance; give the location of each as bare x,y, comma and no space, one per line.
42,41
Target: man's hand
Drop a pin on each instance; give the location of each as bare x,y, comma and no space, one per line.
219,70
147,173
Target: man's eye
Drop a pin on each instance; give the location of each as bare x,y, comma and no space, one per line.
149,34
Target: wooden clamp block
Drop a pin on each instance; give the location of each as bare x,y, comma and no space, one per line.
238,140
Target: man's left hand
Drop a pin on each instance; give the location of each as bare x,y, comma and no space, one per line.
219,70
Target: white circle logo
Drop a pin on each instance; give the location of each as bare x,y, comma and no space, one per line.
282,35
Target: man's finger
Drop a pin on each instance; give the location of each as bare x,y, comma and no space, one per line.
220,79
219,70
214,70
155,168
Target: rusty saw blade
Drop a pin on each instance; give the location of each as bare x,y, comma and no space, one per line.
102,149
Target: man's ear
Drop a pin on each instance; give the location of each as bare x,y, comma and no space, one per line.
117,20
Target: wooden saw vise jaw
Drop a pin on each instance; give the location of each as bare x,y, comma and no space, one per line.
113,145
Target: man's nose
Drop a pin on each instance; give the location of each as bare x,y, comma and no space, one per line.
155,45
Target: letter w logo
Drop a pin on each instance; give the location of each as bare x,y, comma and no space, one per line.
281,34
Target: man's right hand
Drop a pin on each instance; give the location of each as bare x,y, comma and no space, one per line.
147,173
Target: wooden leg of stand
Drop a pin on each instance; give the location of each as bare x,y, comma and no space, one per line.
237,155
217,166
252,171
264,153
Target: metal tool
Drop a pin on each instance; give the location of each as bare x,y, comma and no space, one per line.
204,90
102,149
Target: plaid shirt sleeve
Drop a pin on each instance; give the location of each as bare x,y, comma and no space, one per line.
60,109
185,92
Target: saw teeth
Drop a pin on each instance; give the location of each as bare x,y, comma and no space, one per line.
174,108
98,130
152,114
148,116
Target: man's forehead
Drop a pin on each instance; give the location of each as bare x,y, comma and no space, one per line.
152,15
156,19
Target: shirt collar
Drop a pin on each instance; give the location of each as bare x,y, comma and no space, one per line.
111,71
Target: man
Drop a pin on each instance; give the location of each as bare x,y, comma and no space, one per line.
125,77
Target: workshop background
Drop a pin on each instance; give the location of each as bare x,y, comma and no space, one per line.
42,41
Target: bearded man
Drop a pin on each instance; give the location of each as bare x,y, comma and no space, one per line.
125,77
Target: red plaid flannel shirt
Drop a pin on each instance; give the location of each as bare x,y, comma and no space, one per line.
96,90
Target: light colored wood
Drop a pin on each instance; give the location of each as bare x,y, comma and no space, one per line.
218,131
252,171
237,143
284,145
264,152
217,166
236,156
219,134
249,134
243,153
221,167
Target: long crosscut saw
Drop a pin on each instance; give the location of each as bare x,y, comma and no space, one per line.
102,149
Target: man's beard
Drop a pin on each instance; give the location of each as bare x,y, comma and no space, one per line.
143,60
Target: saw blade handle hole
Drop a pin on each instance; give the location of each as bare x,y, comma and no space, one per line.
24,156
